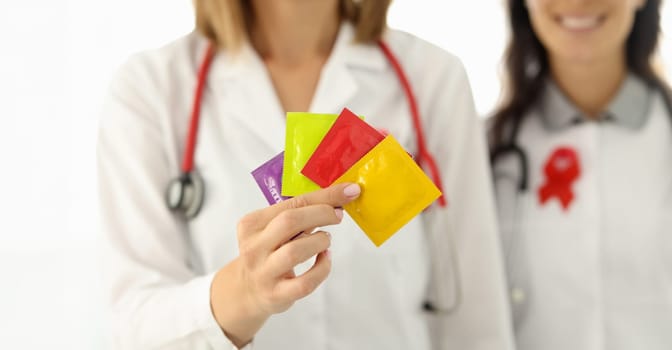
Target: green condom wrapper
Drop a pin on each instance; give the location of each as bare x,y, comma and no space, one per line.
304,133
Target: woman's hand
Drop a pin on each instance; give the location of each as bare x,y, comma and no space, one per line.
261,281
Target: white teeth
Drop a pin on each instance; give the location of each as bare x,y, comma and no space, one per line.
579,23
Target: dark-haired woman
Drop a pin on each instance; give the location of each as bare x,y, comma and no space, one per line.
582,157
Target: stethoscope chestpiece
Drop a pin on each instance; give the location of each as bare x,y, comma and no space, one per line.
186,193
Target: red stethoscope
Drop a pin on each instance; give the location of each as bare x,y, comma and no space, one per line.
186,193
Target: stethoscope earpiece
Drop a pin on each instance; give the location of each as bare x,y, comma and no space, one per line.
186,194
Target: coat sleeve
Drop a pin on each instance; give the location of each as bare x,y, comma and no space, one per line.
157,300
468,284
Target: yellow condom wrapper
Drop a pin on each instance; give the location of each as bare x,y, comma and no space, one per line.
394,190
304,133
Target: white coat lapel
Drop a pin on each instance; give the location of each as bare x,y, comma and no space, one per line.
338,85
246,95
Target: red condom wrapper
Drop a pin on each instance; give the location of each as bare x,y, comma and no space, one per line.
346,142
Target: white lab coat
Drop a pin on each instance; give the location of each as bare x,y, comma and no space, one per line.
599,275
160,268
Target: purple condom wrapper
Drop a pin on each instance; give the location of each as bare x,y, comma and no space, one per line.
269,179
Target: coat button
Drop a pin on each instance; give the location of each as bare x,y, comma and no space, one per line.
517,295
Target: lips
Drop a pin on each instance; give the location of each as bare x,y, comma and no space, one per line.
580,23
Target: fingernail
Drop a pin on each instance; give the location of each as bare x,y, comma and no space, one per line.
352,190
339,213
328,235
327,253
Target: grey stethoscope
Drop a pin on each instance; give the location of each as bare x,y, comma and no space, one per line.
186,193
521,181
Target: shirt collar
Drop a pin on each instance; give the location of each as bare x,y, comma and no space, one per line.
630,107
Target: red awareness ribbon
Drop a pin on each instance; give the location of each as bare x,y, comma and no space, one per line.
562,169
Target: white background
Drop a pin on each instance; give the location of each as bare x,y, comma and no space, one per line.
56,59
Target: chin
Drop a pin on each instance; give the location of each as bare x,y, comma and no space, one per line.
578,54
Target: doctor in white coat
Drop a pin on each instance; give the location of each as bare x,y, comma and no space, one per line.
223,279
583,167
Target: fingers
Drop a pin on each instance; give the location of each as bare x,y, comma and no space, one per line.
299,250
301,286
303,233
336,196
286,225
272,241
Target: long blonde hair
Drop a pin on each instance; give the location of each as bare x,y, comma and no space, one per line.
225,21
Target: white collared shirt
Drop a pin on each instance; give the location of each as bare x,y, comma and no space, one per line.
597,276
160,268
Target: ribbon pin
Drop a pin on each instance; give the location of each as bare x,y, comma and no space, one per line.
561,169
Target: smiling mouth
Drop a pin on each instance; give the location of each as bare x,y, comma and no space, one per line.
580,23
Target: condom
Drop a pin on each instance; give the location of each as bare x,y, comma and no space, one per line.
348,140
394,190
303,135
269,179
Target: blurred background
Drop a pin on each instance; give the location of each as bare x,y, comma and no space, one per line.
56,60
